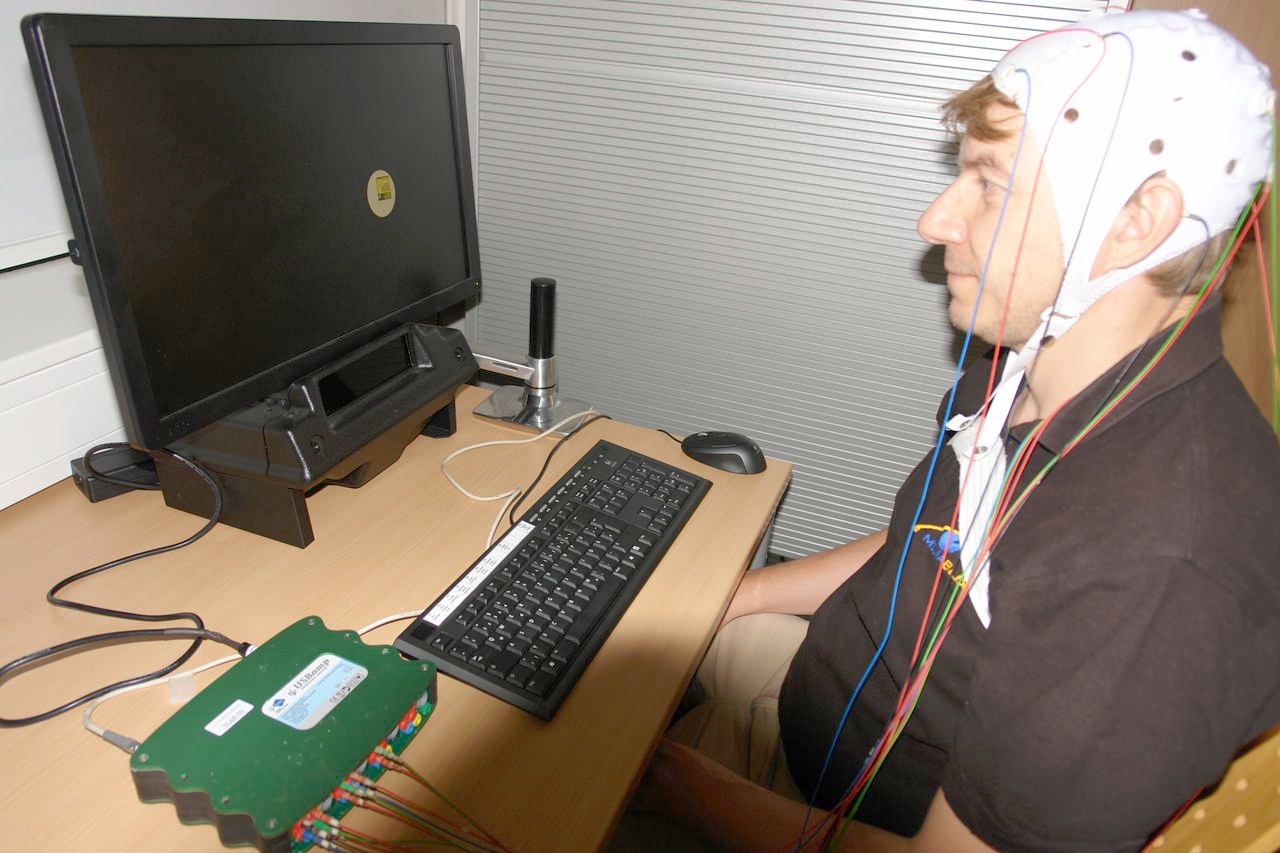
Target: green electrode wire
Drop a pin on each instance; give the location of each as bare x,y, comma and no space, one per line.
1275,287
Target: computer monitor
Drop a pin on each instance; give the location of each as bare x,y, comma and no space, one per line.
266,213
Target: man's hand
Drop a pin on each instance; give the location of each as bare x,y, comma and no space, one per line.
677,774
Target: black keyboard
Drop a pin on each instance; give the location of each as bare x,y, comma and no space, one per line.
527,617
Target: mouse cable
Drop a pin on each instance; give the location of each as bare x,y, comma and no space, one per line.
511,515
670,436
198,634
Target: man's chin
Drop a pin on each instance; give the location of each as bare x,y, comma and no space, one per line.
961,316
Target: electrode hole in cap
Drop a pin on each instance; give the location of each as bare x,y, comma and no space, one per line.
1188,56
1156,146
1231,167
1071,114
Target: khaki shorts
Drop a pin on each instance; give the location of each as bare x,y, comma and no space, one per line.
735,720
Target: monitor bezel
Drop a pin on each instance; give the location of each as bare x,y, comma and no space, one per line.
50,39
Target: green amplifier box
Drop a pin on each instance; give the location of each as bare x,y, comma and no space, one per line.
258,749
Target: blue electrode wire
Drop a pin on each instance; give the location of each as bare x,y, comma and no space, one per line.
991,517
937,450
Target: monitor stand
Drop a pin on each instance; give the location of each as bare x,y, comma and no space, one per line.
336,426
537,403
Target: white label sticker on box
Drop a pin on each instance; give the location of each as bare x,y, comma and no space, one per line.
313,693
444,608
233,714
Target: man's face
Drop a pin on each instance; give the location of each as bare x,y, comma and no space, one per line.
1022,280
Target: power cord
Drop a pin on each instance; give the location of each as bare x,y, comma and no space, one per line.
198,634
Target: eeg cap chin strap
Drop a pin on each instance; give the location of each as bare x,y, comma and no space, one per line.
1171,93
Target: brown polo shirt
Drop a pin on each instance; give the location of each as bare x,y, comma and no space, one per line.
1134,643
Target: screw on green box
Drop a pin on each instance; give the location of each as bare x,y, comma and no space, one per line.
260,747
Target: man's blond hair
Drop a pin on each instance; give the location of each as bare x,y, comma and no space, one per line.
967,114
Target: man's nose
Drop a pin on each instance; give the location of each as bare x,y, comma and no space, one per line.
941,221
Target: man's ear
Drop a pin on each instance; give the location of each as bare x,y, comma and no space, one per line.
1146,220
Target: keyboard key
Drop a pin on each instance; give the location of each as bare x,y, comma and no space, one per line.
520,674
591,614
565,650
539,684
502,662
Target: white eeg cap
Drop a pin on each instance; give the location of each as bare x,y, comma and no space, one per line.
1172,93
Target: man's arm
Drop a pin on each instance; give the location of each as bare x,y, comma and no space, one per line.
735,814
800,586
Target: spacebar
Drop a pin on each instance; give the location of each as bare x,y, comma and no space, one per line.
595,608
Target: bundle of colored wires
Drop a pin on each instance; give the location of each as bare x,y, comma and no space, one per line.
1006,509
430,828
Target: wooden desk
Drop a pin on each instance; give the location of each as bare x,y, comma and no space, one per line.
388,547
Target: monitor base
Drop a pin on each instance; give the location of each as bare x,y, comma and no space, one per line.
269,457
513,404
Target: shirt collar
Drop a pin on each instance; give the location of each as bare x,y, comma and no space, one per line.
1198,347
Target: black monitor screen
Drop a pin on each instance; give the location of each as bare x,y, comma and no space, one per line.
257,208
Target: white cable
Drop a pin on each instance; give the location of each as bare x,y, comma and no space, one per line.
122,742
87,716
386,620
514,493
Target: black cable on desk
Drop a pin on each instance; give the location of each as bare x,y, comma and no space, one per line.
198,634
511,515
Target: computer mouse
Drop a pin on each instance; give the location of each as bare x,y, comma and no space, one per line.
728,451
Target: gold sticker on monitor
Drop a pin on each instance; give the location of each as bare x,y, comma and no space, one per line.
381,194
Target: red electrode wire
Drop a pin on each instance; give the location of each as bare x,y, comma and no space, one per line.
1266,305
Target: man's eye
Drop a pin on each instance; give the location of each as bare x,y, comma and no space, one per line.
991,187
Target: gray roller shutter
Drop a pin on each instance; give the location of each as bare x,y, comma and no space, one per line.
727,193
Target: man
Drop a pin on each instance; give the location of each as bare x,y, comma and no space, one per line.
1117,636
